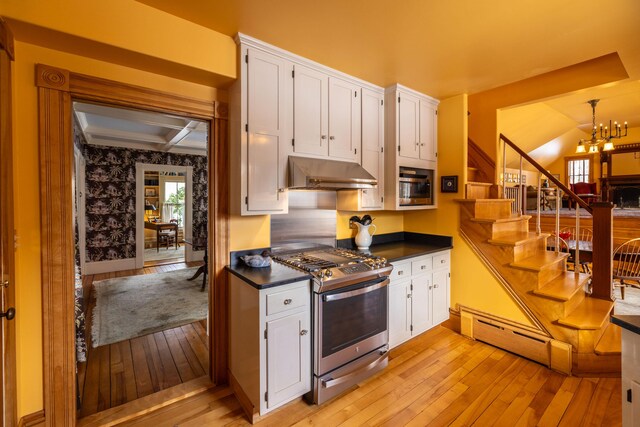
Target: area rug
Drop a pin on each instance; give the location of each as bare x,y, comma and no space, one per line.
133,306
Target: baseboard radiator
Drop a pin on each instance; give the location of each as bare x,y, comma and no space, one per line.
519,339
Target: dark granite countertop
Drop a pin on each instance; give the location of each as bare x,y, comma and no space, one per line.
629,322
267,277
394,247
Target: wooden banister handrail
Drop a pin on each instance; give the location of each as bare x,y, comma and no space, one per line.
543,171
601,277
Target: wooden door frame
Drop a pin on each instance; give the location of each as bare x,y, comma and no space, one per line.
8,406
56,90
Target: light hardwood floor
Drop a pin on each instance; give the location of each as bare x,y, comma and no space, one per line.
121,372
439,378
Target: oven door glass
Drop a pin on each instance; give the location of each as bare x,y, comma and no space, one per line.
353,314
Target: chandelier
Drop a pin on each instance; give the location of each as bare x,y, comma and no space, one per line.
606,134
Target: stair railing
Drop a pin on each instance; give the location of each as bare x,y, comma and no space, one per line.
602,245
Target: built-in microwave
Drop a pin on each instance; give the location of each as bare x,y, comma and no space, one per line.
415,187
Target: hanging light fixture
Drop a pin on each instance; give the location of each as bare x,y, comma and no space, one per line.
606,134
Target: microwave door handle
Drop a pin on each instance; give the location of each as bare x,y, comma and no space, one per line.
337,381
343,295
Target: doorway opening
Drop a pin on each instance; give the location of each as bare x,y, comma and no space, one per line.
141,319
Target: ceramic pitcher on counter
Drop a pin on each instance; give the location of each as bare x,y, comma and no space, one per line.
363,238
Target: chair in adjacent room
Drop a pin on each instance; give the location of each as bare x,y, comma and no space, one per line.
587,191
626,265
585,236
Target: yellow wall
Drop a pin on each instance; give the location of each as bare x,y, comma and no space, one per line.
472,284
28,275
128,33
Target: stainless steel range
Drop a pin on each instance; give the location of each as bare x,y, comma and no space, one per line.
350,297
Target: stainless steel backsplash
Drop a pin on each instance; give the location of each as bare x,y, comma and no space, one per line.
311,218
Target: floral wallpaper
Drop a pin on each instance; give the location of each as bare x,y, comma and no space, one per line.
110,187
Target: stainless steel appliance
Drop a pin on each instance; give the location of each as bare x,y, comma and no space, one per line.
350,298
415,187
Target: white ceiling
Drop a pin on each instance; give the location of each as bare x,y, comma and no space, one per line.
145,130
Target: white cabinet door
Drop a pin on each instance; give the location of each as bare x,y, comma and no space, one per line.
344,120
399,312
288,357
266,122
408,125
428,135
310,120
440,296
421,303
372,144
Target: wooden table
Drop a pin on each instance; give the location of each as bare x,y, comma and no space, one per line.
203,268
159,227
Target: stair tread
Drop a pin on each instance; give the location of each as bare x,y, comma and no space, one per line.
517,238
563,287
539,261
513,218
592,313
611,341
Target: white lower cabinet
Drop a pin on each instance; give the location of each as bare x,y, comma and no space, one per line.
418,296
630,378
270,342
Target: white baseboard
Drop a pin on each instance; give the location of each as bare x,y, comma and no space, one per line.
109,266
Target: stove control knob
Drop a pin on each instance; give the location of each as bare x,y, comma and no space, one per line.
321,274
328,273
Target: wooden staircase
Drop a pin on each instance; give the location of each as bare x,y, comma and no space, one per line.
538,280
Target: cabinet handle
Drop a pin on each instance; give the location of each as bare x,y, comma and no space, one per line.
280,190
332,137
288,301
323,137
430,287
422,267
400,272
364,191
435,286
442,261
408,296
304,332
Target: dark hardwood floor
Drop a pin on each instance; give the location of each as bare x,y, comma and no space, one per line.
440,378
121,372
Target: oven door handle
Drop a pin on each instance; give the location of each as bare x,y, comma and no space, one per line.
334,382
349,294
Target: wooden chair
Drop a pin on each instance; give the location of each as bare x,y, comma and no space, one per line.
586,235
168,237
626,265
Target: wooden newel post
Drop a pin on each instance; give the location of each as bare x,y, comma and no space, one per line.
602,250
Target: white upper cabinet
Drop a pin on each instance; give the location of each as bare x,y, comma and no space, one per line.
410,142
326,113
373,146
428,137
408,125
344,120
281,105
260,131
266,122
310,106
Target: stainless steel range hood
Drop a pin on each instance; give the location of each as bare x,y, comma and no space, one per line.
319,174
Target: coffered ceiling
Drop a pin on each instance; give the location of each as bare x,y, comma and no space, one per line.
145,130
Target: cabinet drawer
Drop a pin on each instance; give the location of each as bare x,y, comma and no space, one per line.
421,265
441,260
401,270
278,302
